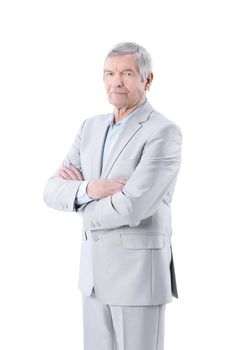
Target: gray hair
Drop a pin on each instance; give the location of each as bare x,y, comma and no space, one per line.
144,60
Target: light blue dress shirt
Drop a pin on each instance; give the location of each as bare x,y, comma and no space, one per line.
113,133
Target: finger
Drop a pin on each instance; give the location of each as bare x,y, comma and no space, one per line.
64,175
122,181
77,172
70,173
117,180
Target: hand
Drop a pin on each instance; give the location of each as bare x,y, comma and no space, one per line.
97,189
70,173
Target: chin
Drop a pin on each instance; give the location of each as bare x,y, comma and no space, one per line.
118,104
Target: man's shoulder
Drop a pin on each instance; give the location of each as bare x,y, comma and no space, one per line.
158,121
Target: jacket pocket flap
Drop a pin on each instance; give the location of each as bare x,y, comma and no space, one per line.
142,241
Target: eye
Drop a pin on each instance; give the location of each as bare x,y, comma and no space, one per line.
128,74
109,74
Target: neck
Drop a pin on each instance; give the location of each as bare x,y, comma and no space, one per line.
122,112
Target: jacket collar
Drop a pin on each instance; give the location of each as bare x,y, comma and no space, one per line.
134,124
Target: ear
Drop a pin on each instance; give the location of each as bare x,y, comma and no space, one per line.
149,81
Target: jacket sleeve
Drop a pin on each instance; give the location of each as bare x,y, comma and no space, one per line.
151,180
59,193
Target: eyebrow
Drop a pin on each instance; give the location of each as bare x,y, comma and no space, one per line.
124,70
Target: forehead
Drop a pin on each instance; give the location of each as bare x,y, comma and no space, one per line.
128,61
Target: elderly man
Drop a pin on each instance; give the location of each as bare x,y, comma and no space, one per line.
119,175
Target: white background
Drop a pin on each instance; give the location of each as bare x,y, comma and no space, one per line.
52,56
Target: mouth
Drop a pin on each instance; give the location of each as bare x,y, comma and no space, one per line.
119,93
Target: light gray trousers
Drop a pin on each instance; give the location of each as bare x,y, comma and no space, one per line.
111,327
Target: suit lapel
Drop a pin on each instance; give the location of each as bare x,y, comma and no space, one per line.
98,144
133,125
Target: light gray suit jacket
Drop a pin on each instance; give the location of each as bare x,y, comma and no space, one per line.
126,246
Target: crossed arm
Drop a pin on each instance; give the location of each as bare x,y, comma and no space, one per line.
150,181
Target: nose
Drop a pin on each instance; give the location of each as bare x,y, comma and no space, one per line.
117,80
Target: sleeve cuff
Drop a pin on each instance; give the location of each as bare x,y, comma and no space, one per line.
82,196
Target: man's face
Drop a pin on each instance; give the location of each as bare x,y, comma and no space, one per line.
123,81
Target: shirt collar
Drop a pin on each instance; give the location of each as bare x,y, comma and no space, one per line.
123,121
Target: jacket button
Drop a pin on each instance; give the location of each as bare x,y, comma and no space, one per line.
96,238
